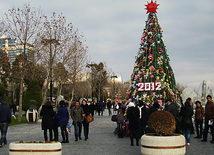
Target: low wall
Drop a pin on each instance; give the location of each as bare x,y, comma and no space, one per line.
17,148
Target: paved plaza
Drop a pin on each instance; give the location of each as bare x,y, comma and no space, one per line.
102,140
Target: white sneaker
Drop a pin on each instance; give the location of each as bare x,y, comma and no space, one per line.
188,144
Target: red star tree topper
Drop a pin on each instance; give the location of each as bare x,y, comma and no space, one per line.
151,7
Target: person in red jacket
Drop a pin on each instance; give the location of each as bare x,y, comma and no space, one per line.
209,118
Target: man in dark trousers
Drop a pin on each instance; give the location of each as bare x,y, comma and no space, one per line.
5,120
109,106
209,118
171,107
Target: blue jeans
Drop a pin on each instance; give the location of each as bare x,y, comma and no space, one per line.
77,129
109,111
186,134
3,128
120,129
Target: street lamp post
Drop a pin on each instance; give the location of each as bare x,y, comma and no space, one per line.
90,66
50,42
114,77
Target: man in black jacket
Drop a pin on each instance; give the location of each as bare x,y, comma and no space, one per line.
171,107
5,120
109,106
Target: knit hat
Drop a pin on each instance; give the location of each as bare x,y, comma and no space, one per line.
131,104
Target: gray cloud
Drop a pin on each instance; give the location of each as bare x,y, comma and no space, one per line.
113,29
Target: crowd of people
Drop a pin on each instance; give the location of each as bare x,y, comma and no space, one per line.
188,118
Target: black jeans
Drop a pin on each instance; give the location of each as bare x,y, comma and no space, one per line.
134,134
56,134
198,127
50,134
64,133
206,129
86,129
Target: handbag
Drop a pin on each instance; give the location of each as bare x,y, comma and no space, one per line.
114,118
89,118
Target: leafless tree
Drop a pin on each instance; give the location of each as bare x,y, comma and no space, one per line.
61,44
22,24
60,76
75,61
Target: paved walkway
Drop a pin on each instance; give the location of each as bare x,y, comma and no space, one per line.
102,140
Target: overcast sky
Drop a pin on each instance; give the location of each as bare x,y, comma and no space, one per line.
113,28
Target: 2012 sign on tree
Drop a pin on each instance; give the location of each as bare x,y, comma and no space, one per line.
148,86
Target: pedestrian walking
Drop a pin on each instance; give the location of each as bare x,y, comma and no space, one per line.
5,120
186,124
109,104
63,117
86,110
13,107
99,104
47,114
209,118
92,108
77,117
120,117
133,115
199,115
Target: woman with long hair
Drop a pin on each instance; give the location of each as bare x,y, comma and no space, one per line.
86,110
47,114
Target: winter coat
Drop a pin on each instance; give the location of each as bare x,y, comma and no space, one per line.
109,104
199,113
186,121
86,110
172,109
209,110
133,115
76,114
5,114
63,116
48,117
120,113
143,116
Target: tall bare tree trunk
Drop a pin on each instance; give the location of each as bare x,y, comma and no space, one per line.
20,99
44,96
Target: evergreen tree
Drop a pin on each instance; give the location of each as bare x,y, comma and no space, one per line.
153,78
33,92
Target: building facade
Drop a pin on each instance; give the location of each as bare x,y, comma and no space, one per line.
13,48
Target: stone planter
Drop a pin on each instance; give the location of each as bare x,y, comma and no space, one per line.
16,148
163,145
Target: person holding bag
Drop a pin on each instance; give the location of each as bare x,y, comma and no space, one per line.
86,110
120,117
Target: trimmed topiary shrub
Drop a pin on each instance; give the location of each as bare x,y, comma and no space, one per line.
162,123
34,92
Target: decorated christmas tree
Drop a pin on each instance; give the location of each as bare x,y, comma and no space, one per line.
153,78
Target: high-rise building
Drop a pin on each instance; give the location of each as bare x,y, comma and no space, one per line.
13,48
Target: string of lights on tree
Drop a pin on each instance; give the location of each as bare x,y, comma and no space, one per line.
152,78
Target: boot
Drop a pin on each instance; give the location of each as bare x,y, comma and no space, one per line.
132,143
137,142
